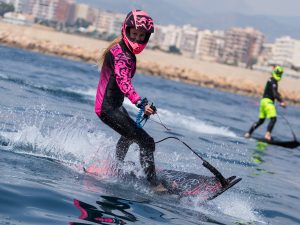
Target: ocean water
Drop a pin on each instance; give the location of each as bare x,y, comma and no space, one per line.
49,132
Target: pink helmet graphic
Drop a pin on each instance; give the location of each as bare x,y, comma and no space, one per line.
139,20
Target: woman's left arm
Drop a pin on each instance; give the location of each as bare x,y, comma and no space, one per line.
123,67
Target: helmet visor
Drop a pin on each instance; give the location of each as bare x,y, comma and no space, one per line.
278,73
137,36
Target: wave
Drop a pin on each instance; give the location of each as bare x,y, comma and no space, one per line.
177,120
82,96
72,140
91,92
180,121
76,142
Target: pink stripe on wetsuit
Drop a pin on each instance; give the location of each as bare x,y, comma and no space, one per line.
119,68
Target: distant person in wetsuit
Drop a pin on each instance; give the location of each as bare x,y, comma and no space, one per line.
267,108
118,63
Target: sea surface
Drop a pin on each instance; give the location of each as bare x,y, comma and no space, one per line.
49,132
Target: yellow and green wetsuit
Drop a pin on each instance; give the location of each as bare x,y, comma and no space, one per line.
267,108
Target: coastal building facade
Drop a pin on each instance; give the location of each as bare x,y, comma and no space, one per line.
235,46
165,37
187,40
286,52
49,10
109,23
242,46
210,45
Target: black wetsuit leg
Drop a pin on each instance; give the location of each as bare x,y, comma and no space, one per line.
271,124
119,120
122,148
256,125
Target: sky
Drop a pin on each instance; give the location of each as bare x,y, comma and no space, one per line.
276,7
250,7
275,18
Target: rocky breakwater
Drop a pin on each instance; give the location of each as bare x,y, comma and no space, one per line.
48,47
191,76
236,80
230,84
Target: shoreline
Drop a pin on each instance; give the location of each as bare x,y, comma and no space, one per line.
157,63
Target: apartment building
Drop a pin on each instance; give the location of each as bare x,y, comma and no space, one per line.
242,46
51,10
187,40
165,37
286,52
210,45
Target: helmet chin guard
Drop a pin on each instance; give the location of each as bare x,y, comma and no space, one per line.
277,73
139,20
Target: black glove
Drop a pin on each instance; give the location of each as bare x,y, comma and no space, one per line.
141,102
153,107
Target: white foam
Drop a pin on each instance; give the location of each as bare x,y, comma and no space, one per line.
238,206
187,122
91,92
69,140
3,76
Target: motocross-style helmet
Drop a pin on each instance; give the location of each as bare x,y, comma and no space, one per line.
277,72
139,20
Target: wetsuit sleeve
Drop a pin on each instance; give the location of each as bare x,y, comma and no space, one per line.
123,67
276,94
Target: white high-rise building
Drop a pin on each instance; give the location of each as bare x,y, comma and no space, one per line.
82,11
104,21
165,37
242,46
52,10
286,52
296,55
210,45
116,24
187,40
109,22
43,9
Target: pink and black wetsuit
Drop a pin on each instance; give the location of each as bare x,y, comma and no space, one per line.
115,83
